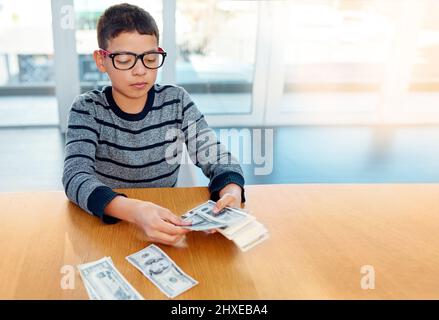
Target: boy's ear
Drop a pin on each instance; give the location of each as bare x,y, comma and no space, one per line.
99,60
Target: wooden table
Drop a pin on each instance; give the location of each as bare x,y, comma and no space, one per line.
321,236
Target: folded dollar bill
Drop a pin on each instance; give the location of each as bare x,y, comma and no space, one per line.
104,282
161,270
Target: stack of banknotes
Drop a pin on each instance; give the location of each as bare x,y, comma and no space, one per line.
235,224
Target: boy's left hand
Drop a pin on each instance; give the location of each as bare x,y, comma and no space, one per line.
230,196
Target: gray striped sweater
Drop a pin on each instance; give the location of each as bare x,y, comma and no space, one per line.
108,148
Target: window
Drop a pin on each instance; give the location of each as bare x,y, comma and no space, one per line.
26,64
330,59
422,91
25,59
353,61
256,62
216,43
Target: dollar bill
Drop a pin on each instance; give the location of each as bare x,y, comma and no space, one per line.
200,222
203,218
235,219
161,270
91,294
104,282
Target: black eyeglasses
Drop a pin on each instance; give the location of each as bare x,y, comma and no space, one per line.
127,60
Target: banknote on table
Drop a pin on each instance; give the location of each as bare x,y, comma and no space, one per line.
91,294
237,225
158,267
104,282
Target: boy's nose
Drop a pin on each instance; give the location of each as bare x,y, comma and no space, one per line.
139,68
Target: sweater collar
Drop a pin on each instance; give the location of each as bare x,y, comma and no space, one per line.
130,116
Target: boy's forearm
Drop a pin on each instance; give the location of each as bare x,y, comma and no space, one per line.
122,208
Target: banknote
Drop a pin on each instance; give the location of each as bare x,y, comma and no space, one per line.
161,270
91,294
200,222
104,282
204,217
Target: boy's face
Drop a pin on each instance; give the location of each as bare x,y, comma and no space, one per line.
136,82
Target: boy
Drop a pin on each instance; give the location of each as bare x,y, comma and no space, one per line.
119,137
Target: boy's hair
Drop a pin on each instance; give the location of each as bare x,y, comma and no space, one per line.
124,18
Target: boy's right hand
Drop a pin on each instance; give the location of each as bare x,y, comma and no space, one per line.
159,224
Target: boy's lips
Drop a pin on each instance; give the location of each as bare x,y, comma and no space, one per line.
139,85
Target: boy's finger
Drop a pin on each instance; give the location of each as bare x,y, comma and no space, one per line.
174,219
222,203
166,238
171,229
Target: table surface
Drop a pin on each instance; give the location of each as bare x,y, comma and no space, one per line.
321,236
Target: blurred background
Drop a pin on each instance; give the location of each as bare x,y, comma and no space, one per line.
350,88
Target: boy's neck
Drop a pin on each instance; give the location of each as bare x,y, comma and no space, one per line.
127,104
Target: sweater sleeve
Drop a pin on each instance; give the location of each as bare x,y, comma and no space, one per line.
207,152
80,182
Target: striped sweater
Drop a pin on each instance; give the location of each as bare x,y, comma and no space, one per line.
108,148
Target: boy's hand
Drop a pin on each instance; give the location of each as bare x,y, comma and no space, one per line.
230,196
159,224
